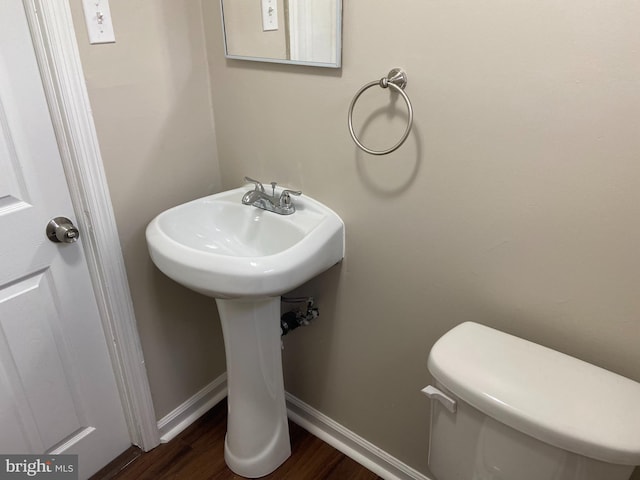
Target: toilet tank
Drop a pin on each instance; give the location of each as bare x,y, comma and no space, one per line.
510,409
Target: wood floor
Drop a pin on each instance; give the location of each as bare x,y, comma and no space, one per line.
197,454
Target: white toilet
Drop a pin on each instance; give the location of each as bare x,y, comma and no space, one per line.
504,408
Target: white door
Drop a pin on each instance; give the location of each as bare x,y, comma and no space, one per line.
312,30
57,388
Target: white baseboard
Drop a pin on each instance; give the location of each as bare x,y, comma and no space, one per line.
353,446
180,418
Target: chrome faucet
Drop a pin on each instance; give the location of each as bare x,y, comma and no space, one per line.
280,204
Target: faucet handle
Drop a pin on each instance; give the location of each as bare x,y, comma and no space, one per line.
285,197
258,184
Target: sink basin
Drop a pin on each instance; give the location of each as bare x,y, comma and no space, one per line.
245,258
221,248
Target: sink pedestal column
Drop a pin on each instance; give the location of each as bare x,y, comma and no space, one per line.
257,440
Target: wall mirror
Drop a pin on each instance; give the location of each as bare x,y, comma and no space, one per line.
300,32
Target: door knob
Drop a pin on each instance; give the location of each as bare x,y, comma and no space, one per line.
62,230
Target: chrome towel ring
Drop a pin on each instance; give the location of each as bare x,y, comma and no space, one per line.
397,80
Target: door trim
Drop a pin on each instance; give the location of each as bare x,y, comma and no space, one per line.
55,45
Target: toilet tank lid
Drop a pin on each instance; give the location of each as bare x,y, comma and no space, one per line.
548,395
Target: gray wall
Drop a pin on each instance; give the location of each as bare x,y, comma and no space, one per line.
514,202
151,103
245,36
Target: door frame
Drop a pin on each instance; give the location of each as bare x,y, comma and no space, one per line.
54,40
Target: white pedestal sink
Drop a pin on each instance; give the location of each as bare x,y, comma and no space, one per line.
257,432
246,258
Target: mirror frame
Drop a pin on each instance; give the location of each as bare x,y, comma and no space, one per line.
337,64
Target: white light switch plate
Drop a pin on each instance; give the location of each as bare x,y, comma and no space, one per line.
97,14
269,15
